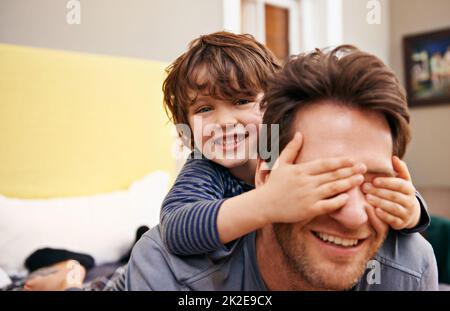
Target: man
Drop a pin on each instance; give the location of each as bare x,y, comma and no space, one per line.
345,103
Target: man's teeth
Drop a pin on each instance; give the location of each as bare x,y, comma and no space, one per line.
336,240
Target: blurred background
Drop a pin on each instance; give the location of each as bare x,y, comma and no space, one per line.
81,114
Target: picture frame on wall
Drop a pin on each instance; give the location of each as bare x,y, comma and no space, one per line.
427,68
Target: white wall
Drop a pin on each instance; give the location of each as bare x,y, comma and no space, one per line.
429,153
332,22
151,29
314,24
373,38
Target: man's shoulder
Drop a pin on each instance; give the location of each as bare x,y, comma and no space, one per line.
411,253
153,267
405,262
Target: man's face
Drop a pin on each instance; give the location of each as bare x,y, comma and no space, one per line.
310,250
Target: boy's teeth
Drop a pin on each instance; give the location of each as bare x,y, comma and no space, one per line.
336,240
229,140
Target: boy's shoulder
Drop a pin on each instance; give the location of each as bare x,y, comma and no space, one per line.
198,168
196,160
203,170
200,173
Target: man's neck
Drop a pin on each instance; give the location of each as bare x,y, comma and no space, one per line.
272,264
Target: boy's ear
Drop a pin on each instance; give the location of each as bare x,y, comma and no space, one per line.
262,172
184,134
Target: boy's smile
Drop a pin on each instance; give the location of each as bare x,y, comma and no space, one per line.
230,142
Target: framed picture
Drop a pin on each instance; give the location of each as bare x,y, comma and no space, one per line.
427,68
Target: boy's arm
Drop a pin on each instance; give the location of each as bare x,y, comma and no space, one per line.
424,220
189,211
196,218
241,214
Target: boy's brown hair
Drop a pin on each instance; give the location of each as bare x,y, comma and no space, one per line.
235,65
345,75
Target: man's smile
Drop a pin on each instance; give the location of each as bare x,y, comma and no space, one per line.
336,240
338,246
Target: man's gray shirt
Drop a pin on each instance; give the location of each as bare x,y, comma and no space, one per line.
404,262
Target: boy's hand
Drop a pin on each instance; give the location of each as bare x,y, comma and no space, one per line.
394,198
300,192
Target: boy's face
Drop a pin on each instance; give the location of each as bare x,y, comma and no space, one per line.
226,132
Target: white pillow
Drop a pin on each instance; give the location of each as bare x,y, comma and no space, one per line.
103,225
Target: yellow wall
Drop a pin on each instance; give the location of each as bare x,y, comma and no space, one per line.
78,124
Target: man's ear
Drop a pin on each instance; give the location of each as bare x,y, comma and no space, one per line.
262,172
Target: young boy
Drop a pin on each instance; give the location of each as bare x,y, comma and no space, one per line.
214,88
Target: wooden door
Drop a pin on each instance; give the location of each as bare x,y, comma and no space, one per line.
277,30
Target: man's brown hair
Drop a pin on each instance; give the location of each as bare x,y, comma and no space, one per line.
235,64
346,75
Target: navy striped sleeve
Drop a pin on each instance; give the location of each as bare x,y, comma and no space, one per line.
424,220
189,211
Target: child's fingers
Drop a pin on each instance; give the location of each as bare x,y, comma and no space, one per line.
389,207
291,151
393,221
329,205
339,186
401,168
321,166
377,223
395,184
393,196
340,174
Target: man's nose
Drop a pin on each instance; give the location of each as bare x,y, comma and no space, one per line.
353,214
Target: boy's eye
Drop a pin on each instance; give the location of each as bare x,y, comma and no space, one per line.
203,110
242,102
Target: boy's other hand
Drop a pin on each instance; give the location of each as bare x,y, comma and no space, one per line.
394,198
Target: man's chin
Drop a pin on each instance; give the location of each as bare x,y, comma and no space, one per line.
333,276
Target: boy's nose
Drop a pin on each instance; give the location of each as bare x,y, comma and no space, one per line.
225,118
353,214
